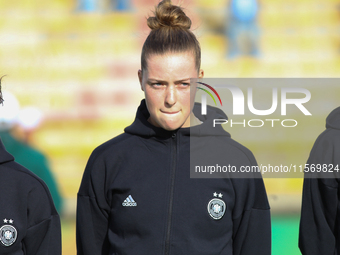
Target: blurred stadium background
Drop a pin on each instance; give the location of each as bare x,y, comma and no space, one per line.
80,69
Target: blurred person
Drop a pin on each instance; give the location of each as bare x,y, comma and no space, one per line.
29,222
121,5
320,212
29,119
23,152
89,5
103,5
136,195
242,30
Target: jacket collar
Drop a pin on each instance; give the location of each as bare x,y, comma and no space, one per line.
142,127
333,119
4,155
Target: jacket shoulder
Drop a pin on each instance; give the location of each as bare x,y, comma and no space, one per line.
327,140
113,144
30,185
15,170
241,150
105,156
329,133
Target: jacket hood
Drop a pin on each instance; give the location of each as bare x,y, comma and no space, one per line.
333,119
142,127
4,155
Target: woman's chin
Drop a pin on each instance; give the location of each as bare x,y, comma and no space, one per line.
171,126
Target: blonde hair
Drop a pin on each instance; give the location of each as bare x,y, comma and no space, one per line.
170,32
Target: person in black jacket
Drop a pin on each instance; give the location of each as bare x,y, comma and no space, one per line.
24,153
136,195
319,224
29,222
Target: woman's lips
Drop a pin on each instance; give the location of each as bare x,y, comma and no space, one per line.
173,112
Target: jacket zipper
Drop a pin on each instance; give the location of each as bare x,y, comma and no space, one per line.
173,171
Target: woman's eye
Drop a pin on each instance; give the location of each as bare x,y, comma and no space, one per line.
156,84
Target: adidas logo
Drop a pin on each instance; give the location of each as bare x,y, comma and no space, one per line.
129,201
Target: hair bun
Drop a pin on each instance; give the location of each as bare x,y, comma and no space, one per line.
168,15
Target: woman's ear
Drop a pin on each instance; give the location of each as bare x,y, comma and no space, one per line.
201,74
140,77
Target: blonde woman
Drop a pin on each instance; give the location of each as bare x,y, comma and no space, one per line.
137,197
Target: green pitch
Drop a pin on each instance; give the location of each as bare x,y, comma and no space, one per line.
285,234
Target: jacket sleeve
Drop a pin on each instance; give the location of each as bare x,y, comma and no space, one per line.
92,210
318,215
43,234
251,220
319,205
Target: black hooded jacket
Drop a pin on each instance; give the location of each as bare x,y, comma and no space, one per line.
319,225
137,197
29,222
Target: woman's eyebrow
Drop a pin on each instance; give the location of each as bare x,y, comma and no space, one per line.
160,80
155,80
185,79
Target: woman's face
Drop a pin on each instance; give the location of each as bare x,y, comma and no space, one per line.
166,85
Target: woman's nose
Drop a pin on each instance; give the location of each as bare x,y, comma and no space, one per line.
171,96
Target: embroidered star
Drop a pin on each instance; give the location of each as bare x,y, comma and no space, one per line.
220,195
5,220
11,221
215,194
